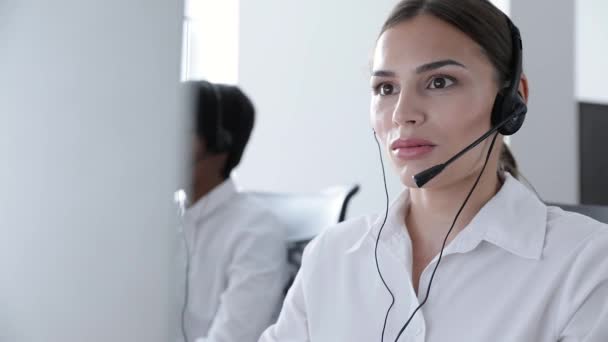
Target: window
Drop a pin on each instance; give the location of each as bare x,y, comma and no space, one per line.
504,5
211,38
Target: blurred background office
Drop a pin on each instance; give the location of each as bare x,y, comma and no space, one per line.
306,66
92,135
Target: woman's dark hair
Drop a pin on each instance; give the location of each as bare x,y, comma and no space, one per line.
484,23
507,163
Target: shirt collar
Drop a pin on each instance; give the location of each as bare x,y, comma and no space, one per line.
394,224
514,220
212,200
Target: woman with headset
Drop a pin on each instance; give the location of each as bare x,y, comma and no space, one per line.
466,252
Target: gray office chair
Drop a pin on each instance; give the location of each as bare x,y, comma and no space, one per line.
596,212
305,215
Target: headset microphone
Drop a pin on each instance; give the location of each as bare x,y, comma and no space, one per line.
425,176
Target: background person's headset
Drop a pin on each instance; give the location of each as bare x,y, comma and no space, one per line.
220,139
508,115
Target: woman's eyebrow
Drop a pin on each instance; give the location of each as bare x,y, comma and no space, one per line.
383,73
438,64
421,69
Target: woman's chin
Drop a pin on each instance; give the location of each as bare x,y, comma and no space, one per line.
407,171
407,177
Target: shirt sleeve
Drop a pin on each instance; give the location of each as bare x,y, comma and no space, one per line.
292,325
256,279
585,299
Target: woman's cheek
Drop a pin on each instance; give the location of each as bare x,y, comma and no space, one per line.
376,117
381,117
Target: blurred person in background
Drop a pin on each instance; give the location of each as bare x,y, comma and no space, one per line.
237,252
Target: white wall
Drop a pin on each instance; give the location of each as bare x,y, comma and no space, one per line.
591,50
547,145
504,5
89,147
306,66
212,40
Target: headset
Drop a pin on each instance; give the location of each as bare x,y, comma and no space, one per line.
508,114
508,102
222,139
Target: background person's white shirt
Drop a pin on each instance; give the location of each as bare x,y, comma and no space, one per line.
520,271
238,267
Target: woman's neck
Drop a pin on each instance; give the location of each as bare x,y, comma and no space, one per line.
432,211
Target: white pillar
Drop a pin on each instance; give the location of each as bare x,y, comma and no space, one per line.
591,51
547,145
90,139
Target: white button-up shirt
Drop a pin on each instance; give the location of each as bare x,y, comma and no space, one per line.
520,271
238,267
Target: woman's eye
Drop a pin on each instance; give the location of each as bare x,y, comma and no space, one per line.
440,82
384,89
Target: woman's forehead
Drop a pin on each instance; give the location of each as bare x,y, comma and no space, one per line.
424,39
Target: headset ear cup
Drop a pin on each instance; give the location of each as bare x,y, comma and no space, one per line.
516,105
505,106
512,126
224,141
497,109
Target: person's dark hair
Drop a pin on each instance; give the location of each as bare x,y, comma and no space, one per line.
238,115
507,163
484,23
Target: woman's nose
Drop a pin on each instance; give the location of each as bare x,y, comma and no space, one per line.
408,110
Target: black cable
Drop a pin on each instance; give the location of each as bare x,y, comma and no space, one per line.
181,199
186,286
446,238
378,239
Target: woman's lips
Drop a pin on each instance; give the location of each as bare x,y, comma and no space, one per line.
412,148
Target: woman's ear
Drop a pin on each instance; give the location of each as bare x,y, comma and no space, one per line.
523,87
